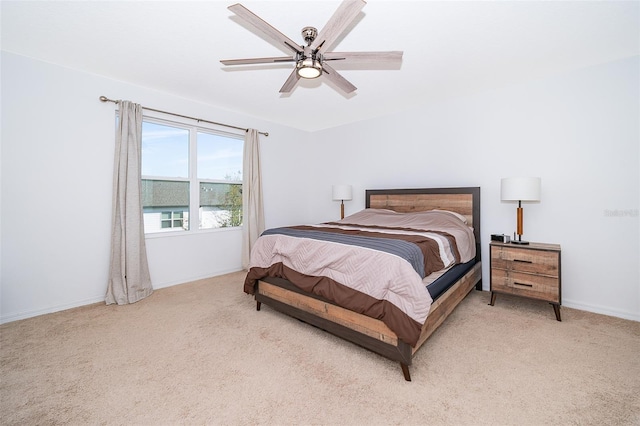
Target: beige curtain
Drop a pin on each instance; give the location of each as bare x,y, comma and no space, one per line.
129,278
252,208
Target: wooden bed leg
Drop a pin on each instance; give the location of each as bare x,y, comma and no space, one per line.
405,371
258,304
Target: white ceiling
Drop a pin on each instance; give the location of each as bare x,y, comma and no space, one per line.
450,48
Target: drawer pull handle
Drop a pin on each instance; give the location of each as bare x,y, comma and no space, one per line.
522,261
523,284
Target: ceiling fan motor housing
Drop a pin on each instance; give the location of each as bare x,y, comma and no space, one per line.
309,34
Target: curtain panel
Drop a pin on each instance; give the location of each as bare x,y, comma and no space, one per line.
129,277
252,205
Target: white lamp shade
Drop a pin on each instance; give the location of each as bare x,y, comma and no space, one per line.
341,192
520,189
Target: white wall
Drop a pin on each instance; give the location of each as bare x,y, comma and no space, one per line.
579,132
57,166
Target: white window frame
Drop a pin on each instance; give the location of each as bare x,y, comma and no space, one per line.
194,187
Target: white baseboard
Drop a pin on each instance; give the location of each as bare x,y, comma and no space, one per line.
159,285
634,316
50,309
97,299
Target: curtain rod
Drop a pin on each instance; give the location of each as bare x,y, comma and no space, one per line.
105,99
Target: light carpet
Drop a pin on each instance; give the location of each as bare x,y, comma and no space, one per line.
200,353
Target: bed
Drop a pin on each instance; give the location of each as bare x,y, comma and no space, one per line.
335,302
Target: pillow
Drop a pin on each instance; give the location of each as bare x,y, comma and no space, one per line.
458,215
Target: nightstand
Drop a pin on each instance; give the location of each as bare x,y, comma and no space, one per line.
531,270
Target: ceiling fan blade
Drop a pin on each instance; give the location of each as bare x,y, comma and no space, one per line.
333,76
270,32
356,57
258,60
338,22
291,82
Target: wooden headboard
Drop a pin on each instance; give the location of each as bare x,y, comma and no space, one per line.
465,201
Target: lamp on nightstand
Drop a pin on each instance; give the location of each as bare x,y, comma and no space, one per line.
520,189
342,193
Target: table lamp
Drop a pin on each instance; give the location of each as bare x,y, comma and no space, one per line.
341,193
520,189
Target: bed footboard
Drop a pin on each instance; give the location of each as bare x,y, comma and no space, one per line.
364,331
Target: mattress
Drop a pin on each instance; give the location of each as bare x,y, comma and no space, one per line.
438,285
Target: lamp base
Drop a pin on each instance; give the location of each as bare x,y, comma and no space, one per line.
524,243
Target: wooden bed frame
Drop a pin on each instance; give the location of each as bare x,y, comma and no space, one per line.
372,333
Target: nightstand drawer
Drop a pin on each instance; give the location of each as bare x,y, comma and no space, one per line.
529,261
524,284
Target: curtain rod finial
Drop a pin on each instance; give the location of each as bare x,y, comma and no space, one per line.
104,98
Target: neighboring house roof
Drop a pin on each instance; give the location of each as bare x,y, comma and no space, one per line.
163,193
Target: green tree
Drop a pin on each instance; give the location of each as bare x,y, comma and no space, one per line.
232,201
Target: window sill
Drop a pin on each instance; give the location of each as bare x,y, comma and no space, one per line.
155,235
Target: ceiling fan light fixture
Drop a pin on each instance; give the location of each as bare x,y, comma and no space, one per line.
309,68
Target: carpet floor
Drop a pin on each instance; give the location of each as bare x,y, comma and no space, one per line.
200,353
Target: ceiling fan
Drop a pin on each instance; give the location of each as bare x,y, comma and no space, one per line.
311,61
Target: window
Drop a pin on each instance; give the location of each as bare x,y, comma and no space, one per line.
190,172
220,180
172,220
